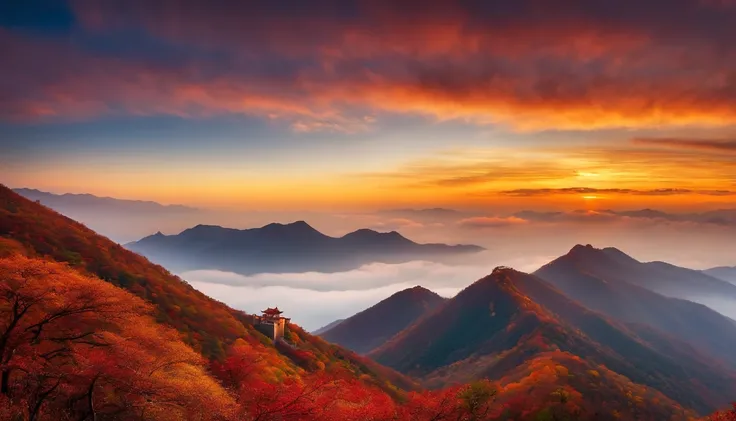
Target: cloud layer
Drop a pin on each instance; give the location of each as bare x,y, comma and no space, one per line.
316,299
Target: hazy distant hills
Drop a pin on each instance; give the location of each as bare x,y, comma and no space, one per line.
119,219
92,203
284,248
727,273
374,326
613,283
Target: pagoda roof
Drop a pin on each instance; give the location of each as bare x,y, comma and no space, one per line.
272,311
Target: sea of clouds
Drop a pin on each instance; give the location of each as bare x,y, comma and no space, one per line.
315,299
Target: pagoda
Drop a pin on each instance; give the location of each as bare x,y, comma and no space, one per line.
271,323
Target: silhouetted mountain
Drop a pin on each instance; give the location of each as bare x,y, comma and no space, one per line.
373,327
295,247
121,220
495,325
726,273
620,297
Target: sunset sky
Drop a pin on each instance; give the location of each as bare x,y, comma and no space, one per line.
344,104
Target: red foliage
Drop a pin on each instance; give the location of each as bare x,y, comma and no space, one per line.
75,347
729,415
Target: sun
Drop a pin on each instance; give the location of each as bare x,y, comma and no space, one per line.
590,197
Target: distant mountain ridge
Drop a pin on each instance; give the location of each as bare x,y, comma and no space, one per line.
121,220
54,201
294,247
372,327
726,273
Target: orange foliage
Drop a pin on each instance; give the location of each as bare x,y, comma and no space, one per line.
75,346
265,394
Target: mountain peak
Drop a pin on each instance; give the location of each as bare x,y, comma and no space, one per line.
363,232
201,229
301,225
580,248
372,327
204,227
416,292
366,234
299,228
584,252
503,274
618,255
501,282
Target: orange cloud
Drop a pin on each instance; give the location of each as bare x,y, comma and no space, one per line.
491,221
592,191
527,64
715,145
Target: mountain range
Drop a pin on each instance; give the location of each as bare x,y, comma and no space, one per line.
532,346
510,318
284,248
70,202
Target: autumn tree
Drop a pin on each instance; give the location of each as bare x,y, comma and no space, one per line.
471,402
268,390
75,345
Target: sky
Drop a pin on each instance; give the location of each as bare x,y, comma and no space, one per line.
367,105
533,124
